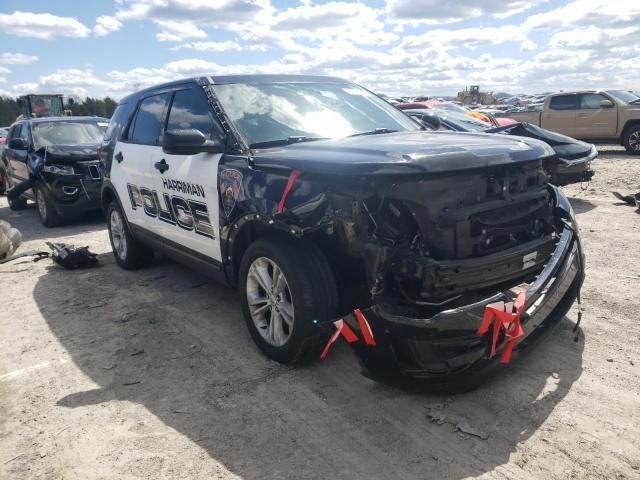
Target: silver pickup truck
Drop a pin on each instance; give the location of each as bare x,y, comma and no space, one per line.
611,115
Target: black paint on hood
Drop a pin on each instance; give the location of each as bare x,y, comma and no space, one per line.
417,152
69,153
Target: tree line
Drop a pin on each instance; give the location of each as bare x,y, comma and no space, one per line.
101,107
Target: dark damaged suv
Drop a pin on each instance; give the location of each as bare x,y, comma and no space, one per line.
322,202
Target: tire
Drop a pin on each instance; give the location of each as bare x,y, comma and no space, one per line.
309,295
3,181
18,203
128,252
46,211
631,140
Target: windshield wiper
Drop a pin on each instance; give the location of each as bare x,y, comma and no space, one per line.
285,141
376,131
633,102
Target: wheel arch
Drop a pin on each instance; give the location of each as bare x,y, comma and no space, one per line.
629,124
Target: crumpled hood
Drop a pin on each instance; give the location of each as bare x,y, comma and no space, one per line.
69,153
566,148
403,152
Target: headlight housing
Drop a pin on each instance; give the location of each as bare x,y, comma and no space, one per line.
59,169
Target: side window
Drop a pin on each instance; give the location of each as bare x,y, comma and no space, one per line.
118,119
15,132
591,101
149,119
190,110
563,102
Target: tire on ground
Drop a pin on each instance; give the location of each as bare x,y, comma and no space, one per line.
313,291
631,139
49,216
135,255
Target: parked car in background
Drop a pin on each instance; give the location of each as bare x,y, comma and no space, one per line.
573,157
60,157
610,115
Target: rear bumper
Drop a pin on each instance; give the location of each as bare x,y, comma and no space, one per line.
444,350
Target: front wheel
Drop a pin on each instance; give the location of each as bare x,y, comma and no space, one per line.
286,288
46,211
631,140
129,253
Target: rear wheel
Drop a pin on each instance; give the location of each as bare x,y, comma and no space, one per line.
631,140
129,253
286,287
47,212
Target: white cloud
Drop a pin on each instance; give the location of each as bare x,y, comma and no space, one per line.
171,31
4,71
469,38
106,25
439,11
24,88
9,58
41,25
210,46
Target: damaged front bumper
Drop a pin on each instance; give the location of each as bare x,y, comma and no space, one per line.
444,350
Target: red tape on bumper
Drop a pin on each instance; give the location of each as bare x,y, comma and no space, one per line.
504,316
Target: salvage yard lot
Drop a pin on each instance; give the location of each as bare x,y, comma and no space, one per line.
152,374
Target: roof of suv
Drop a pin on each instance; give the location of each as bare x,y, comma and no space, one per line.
250,79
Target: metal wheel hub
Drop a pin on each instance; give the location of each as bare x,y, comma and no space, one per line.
118,238
634,140
270,301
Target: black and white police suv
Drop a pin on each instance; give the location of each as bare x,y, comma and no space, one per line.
433,253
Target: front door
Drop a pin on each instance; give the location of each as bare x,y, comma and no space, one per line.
560,116
186,186
593,121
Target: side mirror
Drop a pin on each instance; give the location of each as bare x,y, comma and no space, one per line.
18,144
606,104
189,142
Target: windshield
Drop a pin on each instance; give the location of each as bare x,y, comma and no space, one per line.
67,133
46,106
273,112
625,96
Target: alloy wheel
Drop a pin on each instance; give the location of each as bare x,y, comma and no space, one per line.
118,236
42,204
634,140
270,301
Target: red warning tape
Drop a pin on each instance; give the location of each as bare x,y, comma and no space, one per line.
504,316
349,335
292,179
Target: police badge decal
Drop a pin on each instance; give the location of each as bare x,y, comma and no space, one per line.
230,184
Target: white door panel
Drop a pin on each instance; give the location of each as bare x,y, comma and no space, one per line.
190,188
134,169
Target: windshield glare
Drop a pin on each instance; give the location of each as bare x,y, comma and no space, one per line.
624,95
277,111
66,133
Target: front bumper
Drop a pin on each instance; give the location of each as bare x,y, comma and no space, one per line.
73,195
565,173
445,351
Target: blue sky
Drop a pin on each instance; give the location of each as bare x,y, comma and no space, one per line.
398,47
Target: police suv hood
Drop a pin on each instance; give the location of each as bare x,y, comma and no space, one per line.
416,152
69,153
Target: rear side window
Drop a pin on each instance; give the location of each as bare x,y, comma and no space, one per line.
591,101
564,102
149,119
24,132
118,120
190,110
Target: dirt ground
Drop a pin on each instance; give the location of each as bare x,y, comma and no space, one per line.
151,374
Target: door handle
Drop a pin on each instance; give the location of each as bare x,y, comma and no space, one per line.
161,165
119,157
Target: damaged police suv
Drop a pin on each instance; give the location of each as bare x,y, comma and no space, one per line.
433,253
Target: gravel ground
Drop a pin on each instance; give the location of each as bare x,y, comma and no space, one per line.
151,374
